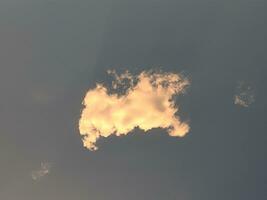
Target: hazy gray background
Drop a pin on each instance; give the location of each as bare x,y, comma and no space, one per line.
53,51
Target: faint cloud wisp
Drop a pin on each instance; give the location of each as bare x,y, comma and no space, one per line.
244,95
144,101
43,171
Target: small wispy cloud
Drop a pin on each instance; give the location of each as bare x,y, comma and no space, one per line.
144,101
244,95
43,171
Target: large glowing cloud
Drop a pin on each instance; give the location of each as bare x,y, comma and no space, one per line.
144,101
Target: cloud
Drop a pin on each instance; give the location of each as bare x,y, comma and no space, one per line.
43,171
144,101
244,95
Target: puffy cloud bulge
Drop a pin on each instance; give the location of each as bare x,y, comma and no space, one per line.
146,103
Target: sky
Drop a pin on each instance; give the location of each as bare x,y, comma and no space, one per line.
52,52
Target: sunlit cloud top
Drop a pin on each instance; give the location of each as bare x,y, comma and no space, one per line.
144,101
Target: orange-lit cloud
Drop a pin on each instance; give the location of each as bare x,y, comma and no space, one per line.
144,101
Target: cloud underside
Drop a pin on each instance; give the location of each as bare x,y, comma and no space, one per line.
147,103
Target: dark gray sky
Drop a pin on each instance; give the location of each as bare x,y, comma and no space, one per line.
53,51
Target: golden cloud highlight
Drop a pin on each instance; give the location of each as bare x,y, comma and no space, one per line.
144,101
